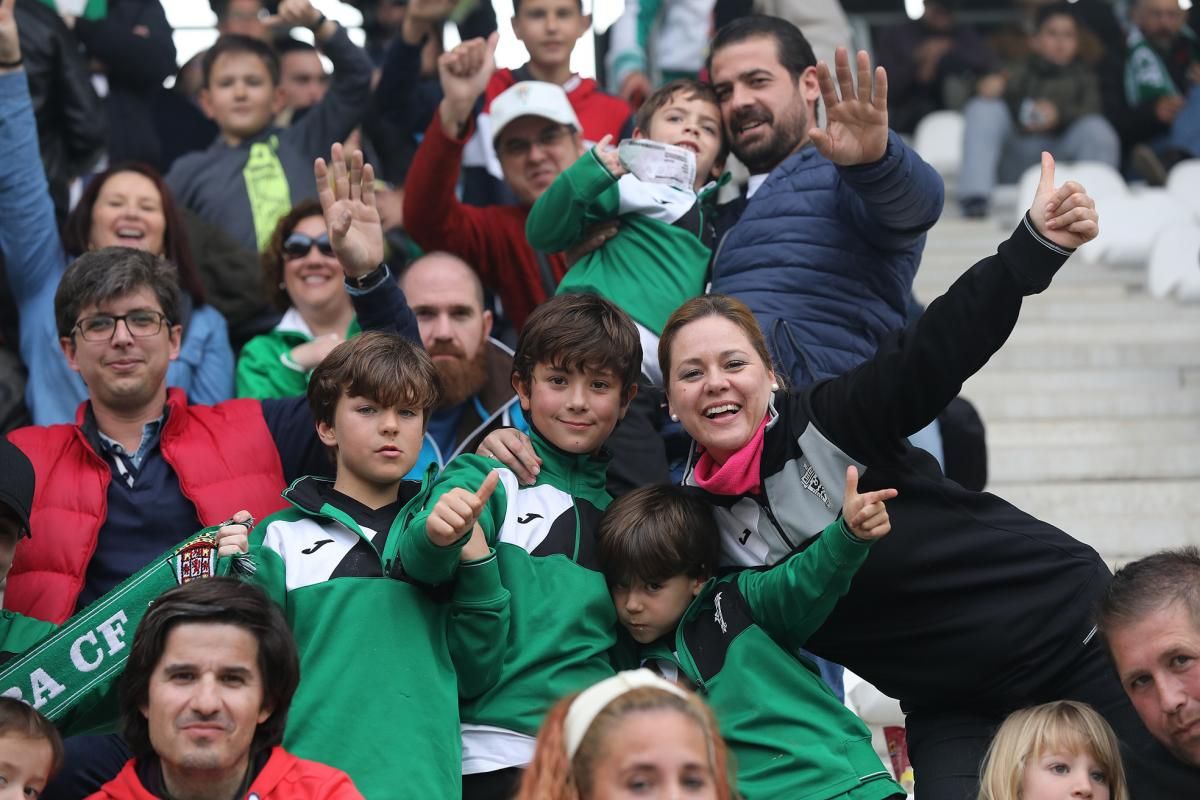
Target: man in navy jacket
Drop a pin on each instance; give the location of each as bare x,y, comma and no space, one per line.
825,245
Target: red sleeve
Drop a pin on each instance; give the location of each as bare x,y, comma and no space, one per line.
433,216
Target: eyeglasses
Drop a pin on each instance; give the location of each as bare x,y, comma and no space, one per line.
298,245
517,148
101,327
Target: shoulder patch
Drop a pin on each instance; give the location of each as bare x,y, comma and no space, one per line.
720,620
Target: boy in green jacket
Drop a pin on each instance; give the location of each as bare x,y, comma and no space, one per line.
659,257
575,372
379,697
734,639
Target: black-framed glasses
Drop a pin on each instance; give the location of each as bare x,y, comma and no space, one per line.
517,148
298,245
101,327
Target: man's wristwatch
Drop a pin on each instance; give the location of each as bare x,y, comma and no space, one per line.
370,280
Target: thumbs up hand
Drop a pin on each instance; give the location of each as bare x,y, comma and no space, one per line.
865,515
456,512
1065,215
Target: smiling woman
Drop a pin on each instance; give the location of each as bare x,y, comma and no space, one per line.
129,206
304,281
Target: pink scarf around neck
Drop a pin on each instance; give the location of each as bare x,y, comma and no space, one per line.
740,474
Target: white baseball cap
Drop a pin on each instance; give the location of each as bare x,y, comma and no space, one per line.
532,99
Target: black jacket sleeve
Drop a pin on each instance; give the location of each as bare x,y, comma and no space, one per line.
870,410
141,61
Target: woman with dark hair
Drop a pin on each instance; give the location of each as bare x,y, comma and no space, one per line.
125,206
303,279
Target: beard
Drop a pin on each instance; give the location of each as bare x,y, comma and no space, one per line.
783,136
460,377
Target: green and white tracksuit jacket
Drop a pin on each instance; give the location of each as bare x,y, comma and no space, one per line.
378,698
736,644
562,619
657,260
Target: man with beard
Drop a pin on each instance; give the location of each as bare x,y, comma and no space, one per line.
474,370
829,235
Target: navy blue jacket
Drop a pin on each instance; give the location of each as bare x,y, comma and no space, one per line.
825,256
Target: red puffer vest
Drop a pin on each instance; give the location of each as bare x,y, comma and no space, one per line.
223,455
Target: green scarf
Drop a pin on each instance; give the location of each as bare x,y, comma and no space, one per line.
267,188
70,676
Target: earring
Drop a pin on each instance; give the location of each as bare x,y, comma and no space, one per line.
674,418
774,387
282,285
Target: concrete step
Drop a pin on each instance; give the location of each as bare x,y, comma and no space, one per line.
995,380
1095,462
1087,405
1049,353
1019,434
1121,519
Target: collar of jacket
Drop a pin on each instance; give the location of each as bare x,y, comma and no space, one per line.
305,495
578,474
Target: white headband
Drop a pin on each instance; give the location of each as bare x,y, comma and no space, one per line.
592,701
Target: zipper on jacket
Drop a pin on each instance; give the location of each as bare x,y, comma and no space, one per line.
765,506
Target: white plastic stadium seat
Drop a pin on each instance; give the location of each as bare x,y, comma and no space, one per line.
1183,183
939,140
1175,263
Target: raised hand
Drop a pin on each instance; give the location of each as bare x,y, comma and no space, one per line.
865,514
10,44
1065,215
464,73
856,123
456,512
233,537
607,154
294,13
350,213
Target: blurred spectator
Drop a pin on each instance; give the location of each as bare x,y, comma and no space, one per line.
254,172
823,22
304,281
72,130
1162,87
655,41
241,17
301,75
180,123
537,136
133,46
1049,101
932,63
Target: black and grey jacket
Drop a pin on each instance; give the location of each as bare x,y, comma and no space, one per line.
967,596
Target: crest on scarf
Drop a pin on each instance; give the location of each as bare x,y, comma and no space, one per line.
196,559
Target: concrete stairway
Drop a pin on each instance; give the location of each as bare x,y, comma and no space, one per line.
1093,406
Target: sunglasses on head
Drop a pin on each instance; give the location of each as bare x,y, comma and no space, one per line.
298,245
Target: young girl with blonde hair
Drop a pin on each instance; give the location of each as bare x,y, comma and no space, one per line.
633,732
1054,751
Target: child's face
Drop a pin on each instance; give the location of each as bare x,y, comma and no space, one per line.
691,123
576,411
376,445
549,29
8,549
650,610
240,97
1057,40
24,766
656,753
1064,776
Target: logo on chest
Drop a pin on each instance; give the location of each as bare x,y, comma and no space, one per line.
811,482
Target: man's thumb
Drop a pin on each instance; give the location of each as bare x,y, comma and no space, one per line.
1046,183
492,41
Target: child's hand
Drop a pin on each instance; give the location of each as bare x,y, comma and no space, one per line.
865,514
233,538
1066,215
608,157
456,512
514,450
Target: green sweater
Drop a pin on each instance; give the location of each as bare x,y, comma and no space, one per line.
789,735
562,618
379,687
265,370
659,257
